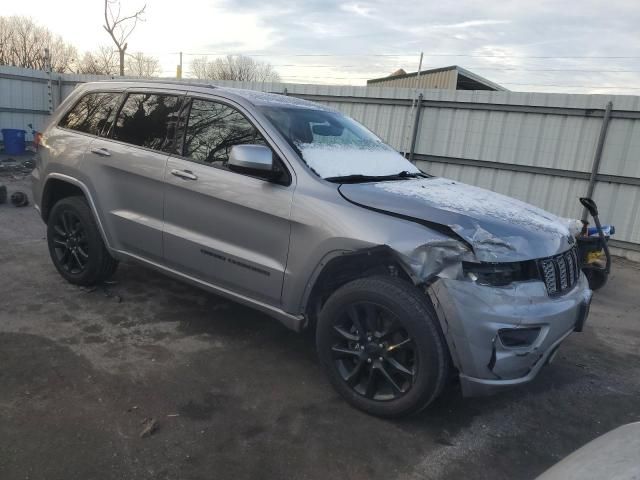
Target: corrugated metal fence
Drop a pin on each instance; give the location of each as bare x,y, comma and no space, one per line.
27,96
533,146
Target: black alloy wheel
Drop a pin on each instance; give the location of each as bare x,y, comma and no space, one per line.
381,345
70,242
372,351
75,244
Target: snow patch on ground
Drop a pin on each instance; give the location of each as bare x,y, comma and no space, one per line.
374,159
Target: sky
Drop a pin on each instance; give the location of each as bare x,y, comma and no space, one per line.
575,46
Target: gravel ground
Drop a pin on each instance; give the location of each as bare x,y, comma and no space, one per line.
236,395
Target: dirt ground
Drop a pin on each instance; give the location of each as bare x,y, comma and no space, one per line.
236,395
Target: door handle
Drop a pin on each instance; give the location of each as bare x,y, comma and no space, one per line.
186,174
103,152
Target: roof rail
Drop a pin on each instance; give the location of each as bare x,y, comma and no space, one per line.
158,80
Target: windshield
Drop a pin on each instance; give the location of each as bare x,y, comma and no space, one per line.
335,146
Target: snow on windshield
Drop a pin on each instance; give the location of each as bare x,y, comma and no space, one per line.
338,160
334,145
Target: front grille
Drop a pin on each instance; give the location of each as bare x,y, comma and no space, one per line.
561,272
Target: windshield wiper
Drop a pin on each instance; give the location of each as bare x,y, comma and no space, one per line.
359,178
405,174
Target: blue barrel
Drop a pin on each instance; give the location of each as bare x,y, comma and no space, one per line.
608,230
13,141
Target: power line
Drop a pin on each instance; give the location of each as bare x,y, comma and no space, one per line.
608,87
468,55
506,69
530,56
552,70
213,54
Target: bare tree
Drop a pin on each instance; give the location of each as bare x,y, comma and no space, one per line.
140,65
6,41
28,43
63,55
199,67
120,27
22,44
103,61
234,67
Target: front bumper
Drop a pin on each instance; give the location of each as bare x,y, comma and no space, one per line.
472,317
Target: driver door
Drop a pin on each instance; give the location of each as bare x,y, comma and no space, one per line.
224,227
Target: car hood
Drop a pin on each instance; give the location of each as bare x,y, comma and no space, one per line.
499,228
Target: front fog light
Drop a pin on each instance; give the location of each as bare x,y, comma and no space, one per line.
518,337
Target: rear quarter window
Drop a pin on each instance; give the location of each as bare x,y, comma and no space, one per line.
92,113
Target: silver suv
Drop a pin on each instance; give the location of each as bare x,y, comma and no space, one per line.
300,212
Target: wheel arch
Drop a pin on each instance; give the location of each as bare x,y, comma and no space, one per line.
58,186
56,189
339,268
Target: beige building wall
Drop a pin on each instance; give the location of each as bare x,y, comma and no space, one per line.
446,79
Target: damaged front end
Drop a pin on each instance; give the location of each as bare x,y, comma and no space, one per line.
502,336
500,319
504,276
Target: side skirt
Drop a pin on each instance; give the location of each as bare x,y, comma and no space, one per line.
294,322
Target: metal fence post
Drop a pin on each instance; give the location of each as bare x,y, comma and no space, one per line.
598,155
416,127
406,138
47,66
60,92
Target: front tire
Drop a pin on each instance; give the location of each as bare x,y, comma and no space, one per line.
75,244
380,343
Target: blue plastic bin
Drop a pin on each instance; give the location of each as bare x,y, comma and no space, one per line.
13,141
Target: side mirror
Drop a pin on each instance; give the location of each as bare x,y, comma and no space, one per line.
256,159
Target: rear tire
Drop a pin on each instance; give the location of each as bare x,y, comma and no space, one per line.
75,244
386,326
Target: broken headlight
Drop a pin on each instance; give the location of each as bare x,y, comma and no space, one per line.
499,274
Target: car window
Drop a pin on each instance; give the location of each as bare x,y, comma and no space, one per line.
213,128
92,113
147,120
335,146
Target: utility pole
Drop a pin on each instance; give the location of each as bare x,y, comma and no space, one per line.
416,125
179,69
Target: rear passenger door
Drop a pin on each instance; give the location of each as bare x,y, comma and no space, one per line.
225,227
127,166
69,141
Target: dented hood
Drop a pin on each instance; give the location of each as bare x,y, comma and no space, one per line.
499,228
